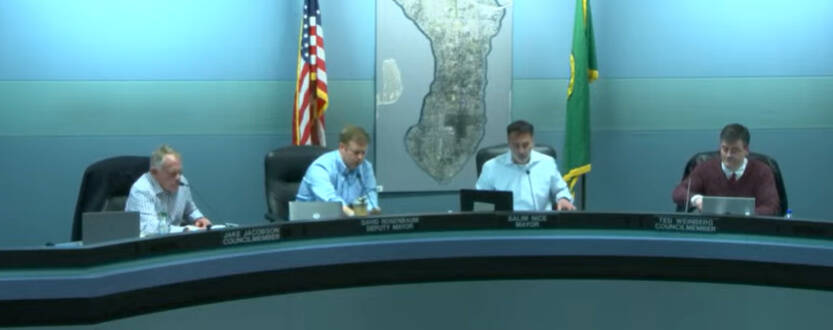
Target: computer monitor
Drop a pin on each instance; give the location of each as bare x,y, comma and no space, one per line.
485,200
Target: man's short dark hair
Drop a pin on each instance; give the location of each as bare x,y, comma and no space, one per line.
355,134
520,126
734,132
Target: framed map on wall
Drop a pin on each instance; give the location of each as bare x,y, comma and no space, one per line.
443,89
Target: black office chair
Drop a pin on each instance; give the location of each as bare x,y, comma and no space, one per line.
284,169
105,186
486,153
704,156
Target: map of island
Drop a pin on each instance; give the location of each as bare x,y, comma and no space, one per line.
453,116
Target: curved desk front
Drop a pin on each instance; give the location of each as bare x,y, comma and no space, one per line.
439,252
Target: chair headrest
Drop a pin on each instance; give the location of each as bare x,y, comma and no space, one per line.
116,175
290,163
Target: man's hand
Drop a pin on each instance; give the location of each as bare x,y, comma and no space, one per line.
564,205
697,201
347,211
202,222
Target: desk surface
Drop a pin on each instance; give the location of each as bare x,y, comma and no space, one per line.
95,283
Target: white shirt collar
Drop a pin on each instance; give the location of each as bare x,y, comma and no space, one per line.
154,185
738,173
534,157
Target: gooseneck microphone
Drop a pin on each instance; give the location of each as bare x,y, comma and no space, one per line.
531,191
687,194
365,190
196,195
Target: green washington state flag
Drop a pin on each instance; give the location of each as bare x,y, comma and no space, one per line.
583,71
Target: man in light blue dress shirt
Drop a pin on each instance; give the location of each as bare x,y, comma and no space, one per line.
162,196
343,175
531,176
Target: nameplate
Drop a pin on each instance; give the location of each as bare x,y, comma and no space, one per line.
251,235
683,223
389,224
527,220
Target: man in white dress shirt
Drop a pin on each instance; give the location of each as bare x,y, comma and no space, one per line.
531,176
162,196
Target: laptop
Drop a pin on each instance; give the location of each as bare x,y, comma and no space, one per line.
314,210
485,200
729,205
98,227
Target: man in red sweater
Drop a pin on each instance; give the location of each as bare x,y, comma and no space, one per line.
731,175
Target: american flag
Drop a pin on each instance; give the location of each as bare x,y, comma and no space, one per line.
311,89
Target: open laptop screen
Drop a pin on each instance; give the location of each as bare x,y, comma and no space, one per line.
485,200
98,227
729,205
314,210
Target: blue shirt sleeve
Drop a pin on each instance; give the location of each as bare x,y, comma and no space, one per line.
318,181
558,187
485,181
191,212
370,186
142,201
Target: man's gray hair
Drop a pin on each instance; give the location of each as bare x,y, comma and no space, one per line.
157,158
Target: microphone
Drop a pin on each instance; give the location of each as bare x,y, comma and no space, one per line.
365,191
361,182
195,195
531,191
687,194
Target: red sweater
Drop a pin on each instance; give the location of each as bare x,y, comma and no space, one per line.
757,181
